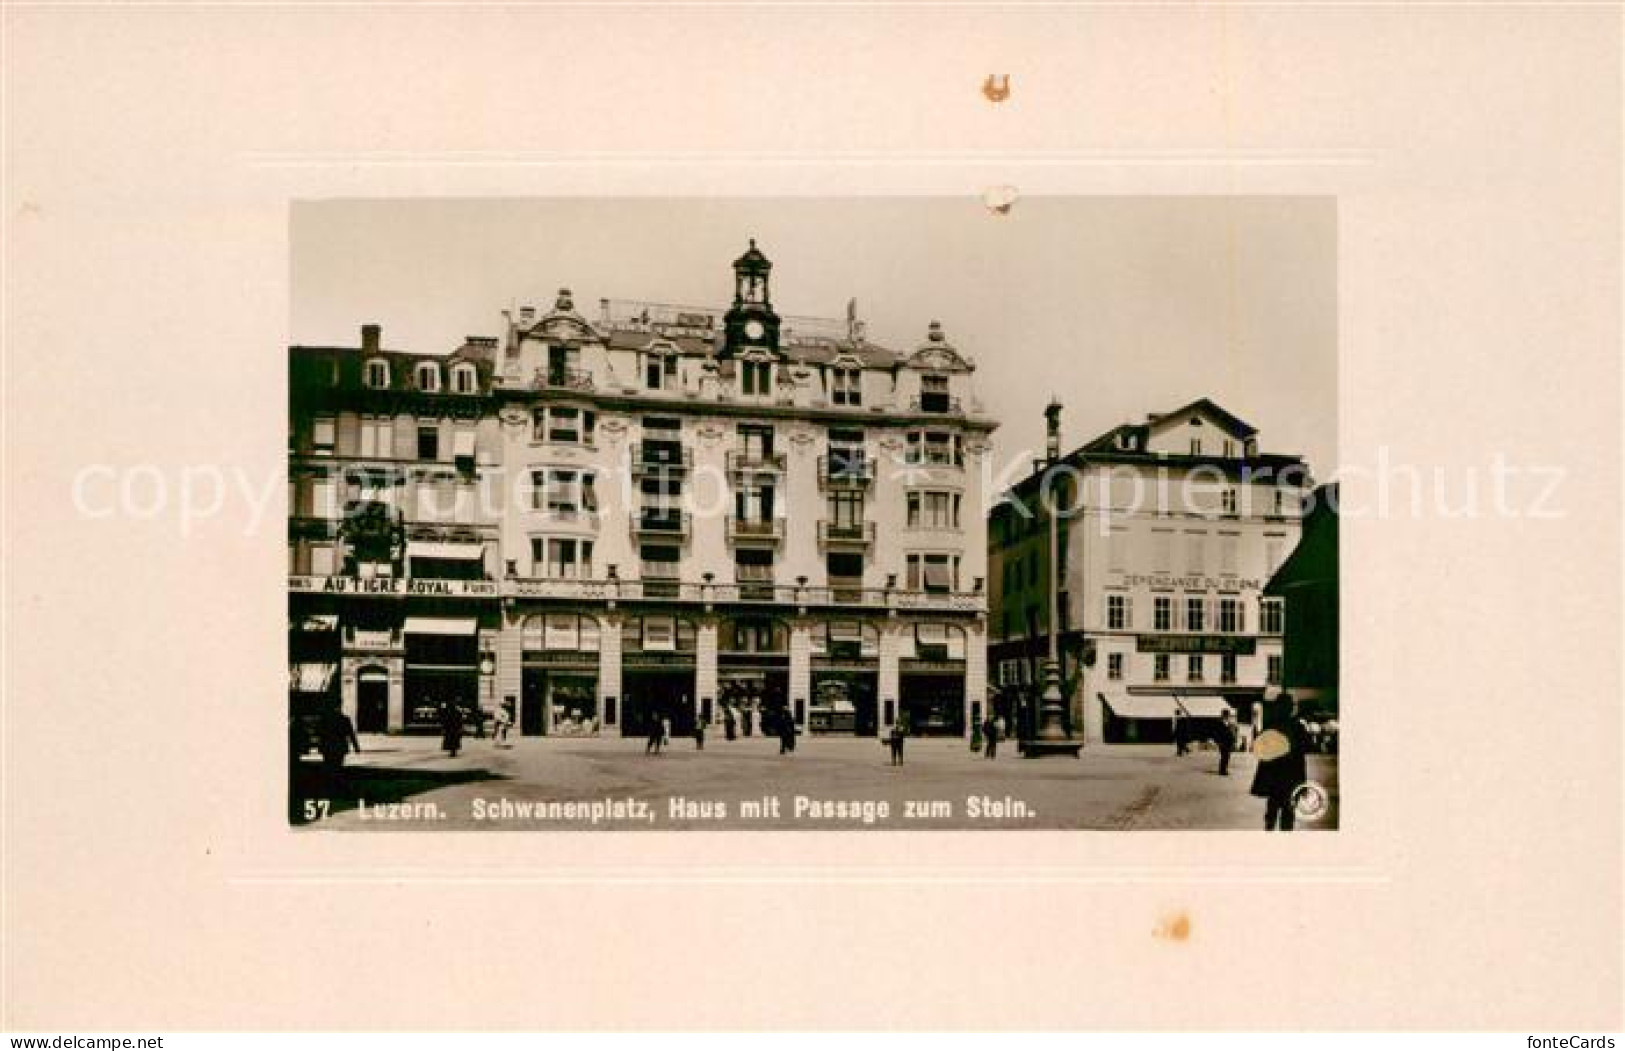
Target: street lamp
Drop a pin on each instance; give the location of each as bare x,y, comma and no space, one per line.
1051,737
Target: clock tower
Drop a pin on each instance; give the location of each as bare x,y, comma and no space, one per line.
751,323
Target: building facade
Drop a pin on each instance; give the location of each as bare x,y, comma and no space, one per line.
658,512
1167,533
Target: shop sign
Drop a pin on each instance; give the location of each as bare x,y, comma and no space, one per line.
1244,645
394,586
1189,583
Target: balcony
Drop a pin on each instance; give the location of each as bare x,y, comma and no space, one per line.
846,534
647,457
755,530
757,586
548,587
558,377
749,461
837,471
660,524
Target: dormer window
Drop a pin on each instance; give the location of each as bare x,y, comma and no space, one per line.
755,377
377,374
428,377
1196,446
465,379
934,393
660,371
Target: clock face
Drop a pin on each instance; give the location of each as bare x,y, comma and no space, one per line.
754,329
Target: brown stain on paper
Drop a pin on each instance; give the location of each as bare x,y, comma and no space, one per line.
1174,928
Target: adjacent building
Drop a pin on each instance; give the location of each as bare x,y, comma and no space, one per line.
654,512
1167,532
1307,585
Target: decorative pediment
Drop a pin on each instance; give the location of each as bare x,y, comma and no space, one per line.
936,354
563,324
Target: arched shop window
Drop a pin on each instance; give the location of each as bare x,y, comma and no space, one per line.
657,635
938,642
560,632
754,635
845,640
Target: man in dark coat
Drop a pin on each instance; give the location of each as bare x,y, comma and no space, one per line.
336,737
895,739
787,732
990,738
451,727
1283,763
1227,740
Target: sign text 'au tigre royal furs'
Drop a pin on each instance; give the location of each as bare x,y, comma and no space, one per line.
394,586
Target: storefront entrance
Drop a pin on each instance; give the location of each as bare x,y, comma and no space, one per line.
562,702
654,695
372,701
934,704
843,702
757,698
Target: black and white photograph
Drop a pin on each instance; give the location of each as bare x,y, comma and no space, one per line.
819,514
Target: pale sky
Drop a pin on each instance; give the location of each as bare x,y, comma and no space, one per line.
1118,306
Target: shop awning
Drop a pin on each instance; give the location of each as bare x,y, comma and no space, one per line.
425,549
311,677
441,625
1162,705
936,576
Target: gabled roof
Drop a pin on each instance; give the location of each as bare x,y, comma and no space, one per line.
1237,427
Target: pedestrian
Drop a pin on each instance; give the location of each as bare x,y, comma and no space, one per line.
730,723
895,739
1180,743
990,734
451,727
665,731
1227,740
657,735
787,732
699,733
1283,764
335,738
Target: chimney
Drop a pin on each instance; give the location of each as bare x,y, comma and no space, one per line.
371,335
1052,421
527,316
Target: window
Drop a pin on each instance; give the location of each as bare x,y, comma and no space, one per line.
659,633
755,442
324,498
939,642
428,377
754,503
660,562
933,510
1114,665
753,566
1273,543
561,558
1193,667
1159,667
1269,616
564,424
322,434
1116,612
377,373
1227,668
756,377
1162,613
1195,552
846,386
1195,613
660,371
1280,502
933,572
1230,615
1227,501
1162,550
428,442
560,631
1196,447
321,560
377,437
1229,449
1273,665
846,511
465,379
935,448
565,493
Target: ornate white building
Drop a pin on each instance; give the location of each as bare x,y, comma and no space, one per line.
686,512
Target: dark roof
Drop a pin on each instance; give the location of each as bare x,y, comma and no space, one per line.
312,366
1314,560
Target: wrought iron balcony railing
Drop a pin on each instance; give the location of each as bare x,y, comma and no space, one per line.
747,461
836,471
846,534
769,530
